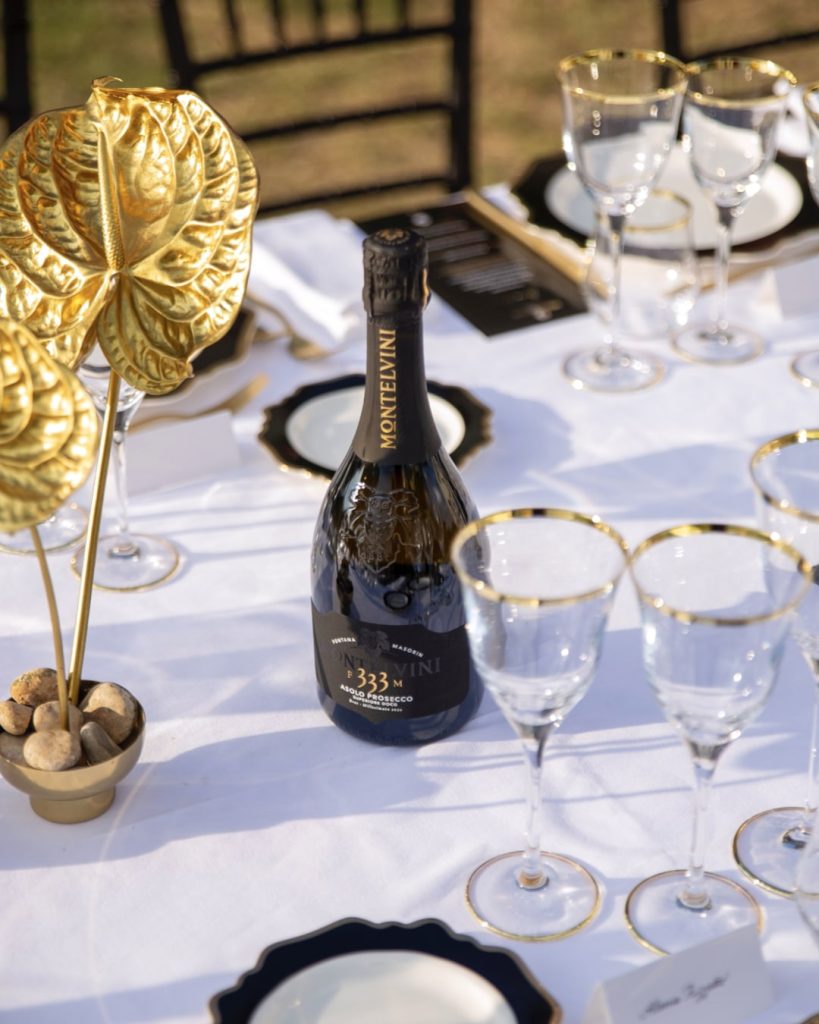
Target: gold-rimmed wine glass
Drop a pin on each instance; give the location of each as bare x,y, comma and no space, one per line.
60,531
125,561
731,116
538,586
807,880
659,280
805,366
785,476
621,109
716,603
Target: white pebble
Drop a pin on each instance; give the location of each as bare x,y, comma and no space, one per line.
14,717
35,686
52,751
112,707
11,747
47,716
97,744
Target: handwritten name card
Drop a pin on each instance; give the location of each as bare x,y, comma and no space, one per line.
724,981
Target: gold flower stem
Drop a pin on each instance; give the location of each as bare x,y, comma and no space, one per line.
92,537
54,615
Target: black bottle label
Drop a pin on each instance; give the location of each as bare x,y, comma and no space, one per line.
385,672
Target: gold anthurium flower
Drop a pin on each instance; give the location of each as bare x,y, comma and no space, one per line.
48,430
127,223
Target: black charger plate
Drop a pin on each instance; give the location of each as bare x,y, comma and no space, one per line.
274,435
528,1001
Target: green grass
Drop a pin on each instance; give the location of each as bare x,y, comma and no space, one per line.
517,44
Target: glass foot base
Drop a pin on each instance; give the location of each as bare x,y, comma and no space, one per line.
707,343
601,370
657,919
147,563
565,904
66,527
767,848
805,367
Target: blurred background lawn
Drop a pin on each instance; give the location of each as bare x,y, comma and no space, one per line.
516,46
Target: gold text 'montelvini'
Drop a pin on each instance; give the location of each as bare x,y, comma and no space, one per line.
388,401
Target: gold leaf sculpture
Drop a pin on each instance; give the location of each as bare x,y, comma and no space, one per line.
48,431
127,223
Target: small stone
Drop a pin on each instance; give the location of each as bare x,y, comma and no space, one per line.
47,716
11,747
113,708
35,686
97,744
52,751
14,717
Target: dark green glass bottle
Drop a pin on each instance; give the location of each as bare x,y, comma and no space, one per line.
392,658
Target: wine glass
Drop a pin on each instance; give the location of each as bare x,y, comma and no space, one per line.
620,115
125,560
716,604
785,475
807,881
659,282
62,529
806,365
538,585
730,120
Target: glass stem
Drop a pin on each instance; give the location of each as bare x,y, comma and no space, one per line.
799,835
694,895
725,225
124,546
611,352
531,874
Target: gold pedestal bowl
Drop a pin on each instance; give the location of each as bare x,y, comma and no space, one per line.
76,794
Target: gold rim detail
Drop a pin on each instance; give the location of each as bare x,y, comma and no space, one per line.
598,900
802,436
631,228
656,57
474,527
763,67
76,568
743,867
693,529
638,935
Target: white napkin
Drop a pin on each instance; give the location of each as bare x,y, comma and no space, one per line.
792,137
308,267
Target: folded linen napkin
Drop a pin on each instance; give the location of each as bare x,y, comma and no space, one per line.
792,137
308,267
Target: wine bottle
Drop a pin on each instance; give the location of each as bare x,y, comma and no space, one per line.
391,652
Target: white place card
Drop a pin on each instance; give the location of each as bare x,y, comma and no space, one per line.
796,287
724,981
171,454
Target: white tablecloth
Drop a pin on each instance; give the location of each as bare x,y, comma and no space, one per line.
250,818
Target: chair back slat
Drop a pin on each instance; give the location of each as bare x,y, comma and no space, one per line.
361,16
696,31
16,103
232,22
299,32
319,26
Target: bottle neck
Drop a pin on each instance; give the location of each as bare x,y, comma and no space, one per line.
396,425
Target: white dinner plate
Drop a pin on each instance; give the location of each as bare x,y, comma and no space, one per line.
770,210
374,986
323,427
311,429
359,972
